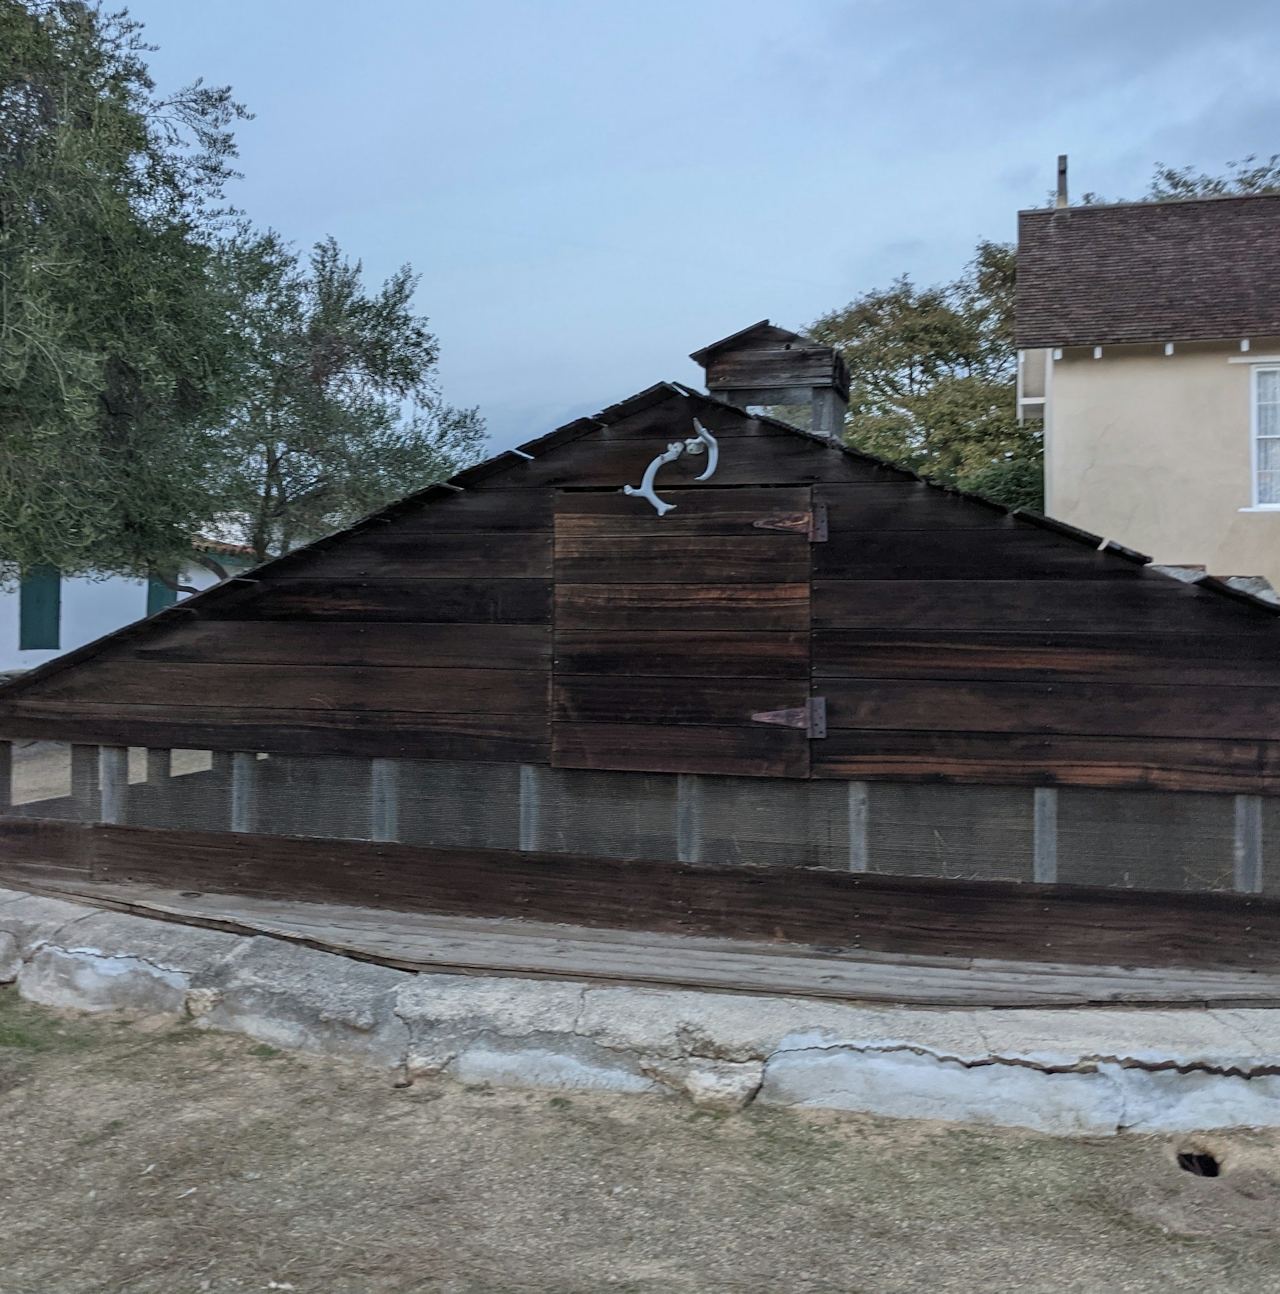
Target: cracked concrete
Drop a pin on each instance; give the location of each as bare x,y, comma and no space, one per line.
1071,1070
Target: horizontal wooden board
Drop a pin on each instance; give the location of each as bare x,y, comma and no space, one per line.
1012,759
404,601
761,608
836,910
899,503
959,554
1086,709
399,554
1068,606
260,688
266,642
592,514
775,366
479,509
607,698
388,734
754,557
1189,659
717,654
757,751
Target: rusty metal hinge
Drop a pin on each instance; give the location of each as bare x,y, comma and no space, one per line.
812,523
811,717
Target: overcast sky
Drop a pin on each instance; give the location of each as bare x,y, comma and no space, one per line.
591,190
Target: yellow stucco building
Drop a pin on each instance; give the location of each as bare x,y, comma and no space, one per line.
1149,339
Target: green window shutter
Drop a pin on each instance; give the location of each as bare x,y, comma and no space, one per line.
40,609
159,596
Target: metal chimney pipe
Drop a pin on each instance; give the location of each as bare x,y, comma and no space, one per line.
1062,180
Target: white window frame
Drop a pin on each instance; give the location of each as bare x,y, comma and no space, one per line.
1254,370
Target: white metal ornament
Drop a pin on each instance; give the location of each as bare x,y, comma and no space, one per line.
703,443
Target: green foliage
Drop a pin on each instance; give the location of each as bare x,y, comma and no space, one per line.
337,411
933,379
163,370
1243,178
113,304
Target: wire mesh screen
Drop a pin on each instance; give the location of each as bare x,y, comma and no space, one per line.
1144,839
1148,840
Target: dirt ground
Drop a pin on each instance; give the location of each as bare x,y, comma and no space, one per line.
142,1156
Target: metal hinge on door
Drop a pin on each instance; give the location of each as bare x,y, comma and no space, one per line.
812,523
810,717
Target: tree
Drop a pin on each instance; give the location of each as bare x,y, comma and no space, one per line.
115,355
933,379
1244,178
338,410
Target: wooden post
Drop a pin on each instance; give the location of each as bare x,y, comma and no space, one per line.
244,790
1045,834
6,776
826,413
859,818
86,800
384,792
530,806
1248,844
688,818
113,783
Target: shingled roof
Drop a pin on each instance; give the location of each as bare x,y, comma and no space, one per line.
1202,270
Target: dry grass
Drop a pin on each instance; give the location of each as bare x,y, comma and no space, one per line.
147,1157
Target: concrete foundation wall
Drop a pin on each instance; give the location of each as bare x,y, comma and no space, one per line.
1078,1071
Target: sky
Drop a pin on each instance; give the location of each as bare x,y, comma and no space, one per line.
590,190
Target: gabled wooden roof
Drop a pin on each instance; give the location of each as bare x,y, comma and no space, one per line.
527,611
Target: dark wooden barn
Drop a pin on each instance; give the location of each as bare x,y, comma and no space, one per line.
526,691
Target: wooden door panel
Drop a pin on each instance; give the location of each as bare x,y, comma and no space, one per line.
672,632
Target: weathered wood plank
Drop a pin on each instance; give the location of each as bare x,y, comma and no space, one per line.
962,554
719,654
665,748
259,688
754,557
585,515
373,733
498,601
763,608
1151,658
851,911
607,698
265,642
1060,606
901,504
1011,759
1092,709
480,509
397,554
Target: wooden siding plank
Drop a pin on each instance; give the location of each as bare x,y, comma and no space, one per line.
855,912
259,688
1067,606
401,601
719,654
663,748
395,554
754,557
1085,709
389,733
960,554
901,504
760,608
1012,759
481,509
608,698
1188,659
590,514
269,642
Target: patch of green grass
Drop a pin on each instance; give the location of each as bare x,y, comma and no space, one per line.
559,1103
264,1051
103,1133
